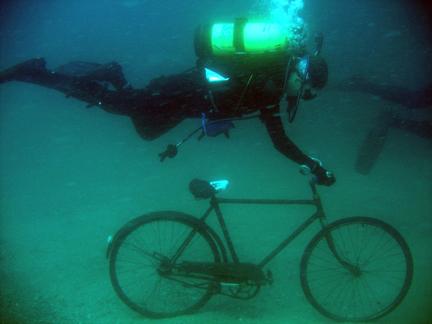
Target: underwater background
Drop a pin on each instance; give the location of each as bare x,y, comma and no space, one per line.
70,176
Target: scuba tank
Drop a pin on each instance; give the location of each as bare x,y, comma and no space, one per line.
242,48
236,56
240,37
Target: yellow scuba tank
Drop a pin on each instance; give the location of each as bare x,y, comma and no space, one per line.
240,37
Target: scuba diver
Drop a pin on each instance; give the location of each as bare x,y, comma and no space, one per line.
243,69
415,116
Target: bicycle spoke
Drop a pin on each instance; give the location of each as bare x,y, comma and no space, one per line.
142,271
380,274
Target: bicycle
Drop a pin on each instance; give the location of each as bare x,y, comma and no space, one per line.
168,263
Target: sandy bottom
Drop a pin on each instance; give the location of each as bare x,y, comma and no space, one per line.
70,177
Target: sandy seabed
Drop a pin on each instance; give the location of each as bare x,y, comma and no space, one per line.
70,177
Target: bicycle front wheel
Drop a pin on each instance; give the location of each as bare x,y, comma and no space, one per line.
356,269
145,257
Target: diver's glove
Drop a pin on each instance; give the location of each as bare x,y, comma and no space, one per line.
322,176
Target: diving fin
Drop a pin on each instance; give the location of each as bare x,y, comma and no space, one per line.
373,144
23,71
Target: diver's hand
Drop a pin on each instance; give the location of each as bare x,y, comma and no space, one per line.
323,177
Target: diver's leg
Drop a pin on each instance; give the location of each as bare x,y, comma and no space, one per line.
24,71
35,71
110,72
153,111
73,84
155,116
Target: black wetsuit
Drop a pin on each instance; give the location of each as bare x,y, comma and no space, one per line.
166,101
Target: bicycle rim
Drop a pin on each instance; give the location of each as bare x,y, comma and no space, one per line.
376,250
136,259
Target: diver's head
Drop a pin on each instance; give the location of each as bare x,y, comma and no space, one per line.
318,72
313,73
309,76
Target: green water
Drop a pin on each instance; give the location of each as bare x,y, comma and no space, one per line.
72,176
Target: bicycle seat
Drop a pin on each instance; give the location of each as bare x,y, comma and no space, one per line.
203,189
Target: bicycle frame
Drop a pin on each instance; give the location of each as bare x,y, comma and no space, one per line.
215,203
211,264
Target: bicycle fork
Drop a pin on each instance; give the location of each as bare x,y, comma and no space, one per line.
353,269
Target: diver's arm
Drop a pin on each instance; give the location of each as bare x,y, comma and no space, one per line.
281,141
288,148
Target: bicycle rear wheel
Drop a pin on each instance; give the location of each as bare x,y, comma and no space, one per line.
376,284
142,271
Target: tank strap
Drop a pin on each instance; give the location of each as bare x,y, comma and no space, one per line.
238,40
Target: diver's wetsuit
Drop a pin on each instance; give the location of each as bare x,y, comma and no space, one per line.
164,102
153,110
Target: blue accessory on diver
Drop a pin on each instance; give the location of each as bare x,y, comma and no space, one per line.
204,123
215,128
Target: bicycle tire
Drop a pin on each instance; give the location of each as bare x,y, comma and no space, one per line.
133,265
376,251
